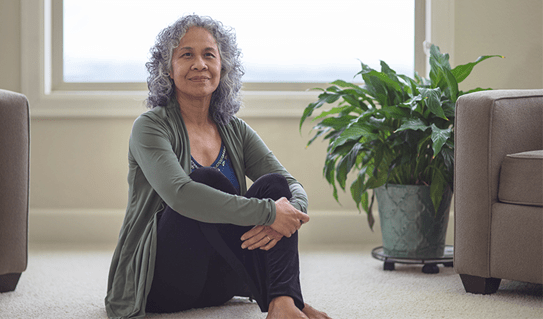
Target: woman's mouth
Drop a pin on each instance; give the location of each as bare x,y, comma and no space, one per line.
199,79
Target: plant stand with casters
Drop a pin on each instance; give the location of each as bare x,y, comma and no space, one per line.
430,265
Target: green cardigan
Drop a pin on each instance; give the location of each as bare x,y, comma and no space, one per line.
159,164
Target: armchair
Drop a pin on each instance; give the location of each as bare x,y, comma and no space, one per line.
14,186
498,188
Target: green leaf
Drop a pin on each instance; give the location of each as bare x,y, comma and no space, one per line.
440,73
320,133
409,82
371,220
413,124
345,84
461,72
448,157
377,160
331,98
443,78
394,112
364,201
388,71
413,104
377,79
441,59
308,111
345,165
334,110
328,172
354,131
432,99
323,98
365,69
337,123
439,138
449,108
379,175
452,84
358,187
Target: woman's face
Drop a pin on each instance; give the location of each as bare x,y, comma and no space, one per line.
196,65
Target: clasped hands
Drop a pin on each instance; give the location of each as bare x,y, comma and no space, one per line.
287,221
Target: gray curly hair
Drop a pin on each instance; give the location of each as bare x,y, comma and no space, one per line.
225,101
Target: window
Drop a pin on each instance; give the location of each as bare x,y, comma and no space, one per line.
58,48
281,40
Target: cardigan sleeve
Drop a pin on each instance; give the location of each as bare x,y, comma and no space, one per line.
260,160
151,147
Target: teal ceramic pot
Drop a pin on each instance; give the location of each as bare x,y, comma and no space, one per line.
409,224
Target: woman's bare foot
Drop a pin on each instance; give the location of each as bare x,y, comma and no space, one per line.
313,313
284,308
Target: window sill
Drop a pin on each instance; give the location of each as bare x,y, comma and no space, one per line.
130,104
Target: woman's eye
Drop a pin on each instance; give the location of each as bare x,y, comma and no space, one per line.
187,54
211,55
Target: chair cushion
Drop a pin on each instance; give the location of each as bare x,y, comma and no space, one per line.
521,179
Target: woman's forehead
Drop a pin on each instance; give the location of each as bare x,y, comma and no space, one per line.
198,35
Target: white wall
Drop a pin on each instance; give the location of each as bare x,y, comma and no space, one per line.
79,165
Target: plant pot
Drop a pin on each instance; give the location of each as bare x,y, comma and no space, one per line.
409,224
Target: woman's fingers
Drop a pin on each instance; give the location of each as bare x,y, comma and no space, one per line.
264,237
270,245
251,238
263,242
253,232
257,242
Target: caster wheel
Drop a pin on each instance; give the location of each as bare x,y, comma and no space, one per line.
448,265
430,269
388,266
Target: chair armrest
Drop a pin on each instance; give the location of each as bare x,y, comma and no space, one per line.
14,182
489,125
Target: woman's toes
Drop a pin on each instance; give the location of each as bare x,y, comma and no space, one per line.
313,313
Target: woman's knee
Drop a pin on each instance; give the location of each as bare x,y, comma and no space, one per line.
272,186
213,178
205,174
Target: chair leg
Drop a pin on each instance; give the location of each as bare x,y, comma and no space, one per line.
8,282
480,285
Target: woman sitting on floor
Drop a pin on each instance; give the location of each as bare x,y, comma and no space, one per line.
193,235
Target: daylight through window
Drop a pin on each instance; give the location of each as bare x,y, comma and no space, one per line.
282,41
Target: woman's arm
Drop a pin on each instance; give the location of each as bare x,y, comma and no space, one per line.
259,160
151,147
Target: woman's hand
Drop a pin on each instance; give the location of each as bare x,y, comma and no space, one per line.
287,218
287,221
263,237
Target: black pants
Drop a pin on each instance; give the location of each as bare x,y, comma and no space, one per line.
202,265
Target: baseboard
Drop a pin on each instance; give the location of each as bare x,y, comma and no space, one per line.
101,227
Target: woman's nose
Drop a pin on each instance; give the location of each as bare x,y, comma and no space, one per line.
199,64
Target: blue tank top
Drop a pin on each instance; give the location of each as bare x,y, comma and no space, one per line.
223,163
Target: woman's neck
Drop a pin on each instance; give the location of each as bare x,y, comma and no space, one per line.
195,112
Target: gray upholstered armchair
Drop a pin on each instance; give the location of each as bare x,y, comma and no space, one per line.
499,188
14,185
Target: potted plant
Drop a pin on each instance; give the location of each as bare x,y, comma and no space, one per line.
396,134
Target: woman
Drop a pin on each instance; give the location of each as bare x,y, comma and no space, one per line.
189,238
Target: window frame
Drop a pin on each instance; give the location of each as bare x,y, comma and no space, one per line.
50,96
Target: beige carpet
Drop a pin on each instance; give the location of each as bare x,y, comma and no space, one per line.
346,282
